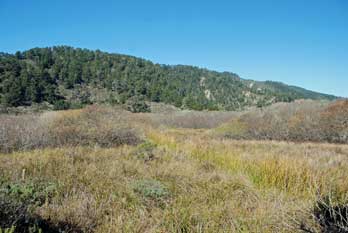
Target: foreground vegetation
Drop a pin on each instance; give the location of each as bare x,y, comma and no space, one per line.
102,169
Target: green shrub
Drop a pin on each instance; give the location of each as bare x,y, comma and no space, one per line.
151,189
145,151
18,202
61,105
33,192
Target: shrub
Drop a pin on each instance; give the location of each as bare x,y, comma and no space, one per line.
299,121
61,105
334,122
18,202
22,132
137,104
145,151
90,126
30,193
151,189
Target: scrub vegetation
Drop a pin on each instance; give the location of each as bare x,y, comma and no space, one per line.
282,168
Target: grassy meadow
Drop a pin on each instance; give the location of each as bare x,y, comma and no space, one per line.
103,169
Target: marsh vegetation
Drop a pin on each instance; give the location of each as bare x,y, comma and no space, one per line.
282,168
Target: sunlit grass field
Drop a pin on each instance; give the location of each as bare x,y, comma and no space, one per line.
156,178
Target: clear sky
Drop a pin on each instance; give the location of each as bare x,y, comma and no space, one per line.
299,42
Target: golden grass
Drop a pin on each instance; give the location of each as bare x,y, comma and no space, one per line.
202,183
95,192
307,169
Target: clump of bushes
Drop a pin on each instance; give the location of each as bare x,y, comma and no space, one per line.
90,126
334,122
23,132
137,104
298,121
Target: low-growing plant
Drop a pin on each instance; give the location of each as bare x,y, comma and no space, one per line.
145,151
8,230
33,192
151,189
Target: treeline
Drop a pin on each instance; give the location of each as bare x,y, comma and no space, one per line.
52,74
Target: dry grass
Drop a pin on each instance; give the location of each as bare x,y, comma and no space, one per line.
180,180
300,168
192,119
96,192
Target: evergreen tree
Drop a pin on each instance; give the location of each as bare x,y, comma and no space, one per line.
13,91
39,74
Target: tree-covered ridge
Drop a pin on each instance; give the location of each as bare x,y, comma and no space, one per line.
63,76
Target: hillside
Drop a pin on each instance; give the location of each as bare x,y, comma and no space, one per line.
67,77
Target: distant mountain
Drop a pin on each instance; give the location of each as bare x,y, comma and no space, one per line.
68,77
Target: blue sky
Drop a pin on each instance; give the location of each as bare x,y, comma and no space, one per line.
299,42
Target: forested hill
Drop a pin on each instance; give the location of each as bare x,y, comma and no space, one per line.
64,76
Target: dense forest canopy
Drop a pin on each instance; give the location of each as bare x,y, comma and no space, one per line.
64,77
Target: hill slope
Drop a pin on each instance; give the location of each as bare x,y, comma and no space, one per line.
66,76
